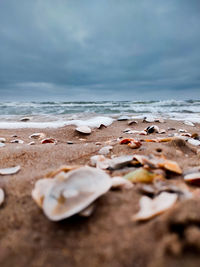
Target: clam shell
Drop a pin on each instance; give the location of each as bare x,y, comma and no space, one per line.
150,208
140,175
2,140
2,196
17,141
72,192
49,141
8,171
192,175
38,136
84,129
119,162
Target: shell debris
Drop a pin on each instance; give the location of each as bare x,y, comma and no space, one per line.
84,129
9,171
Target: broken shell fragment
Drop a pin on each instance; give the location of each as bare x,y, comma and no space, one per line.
193,142
84,129
192,176
119,162
38,136
73,191
25,119
49,141
150,208
105,150
152,129
8,171
121,183
140,175
31,143
17,141
2,196
170,166
2,140
135,144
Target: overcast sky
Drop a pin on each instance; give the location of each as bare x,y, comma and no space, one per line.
99,49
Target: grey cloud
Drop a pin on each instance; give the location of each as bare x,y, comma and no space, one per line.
115,49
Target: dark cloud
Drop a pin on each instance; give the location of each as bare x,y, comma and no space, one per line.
108,49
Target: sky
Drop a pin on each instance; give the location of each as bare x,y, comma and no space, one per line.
99,50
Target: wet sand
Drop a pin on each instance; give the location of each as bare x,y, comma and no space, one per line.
108,237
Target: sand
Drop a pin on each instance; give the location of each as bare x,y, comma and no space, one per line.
108,237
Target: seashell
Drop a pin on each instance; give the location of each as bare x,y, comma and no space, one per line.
126,141
17,141
99,161
121,183
170,166
132,122
84,129
38,136
119,162
162,131
25,119
135,144
171,129
2,196
193,142
186,134
161,120
140,175
2,140
49,141
152,129
2,144
31,143
88,211
123,118
127,130
192,175
70,142
8,171
105,150
150,208
148,119
182,131
72,192
189,123
98,143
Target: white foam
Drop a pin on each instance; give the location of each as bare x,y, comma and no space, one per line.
93,123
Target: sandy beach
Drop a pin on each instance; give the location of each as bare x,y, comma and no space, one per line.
108,237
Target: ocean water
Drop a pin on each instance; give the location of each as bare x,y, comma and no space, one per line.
57,114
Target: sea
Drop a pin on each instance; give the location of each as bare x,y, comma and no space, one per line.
58,114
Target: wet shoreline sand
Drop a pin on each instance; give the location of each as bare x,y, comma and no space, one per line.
108,237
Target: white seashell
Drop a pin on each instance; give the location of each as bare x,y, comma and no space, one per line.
152,207
2,144
8,171
119,182
49,141
182,131
25,119
31,143
84,129
99,161
105,150
189,123
60,199
88,211
17,141
193,142
2,196
2,140
38,136
119,162
149,119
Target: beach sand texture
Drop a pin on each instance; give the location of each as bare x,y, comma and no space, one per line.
108,237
